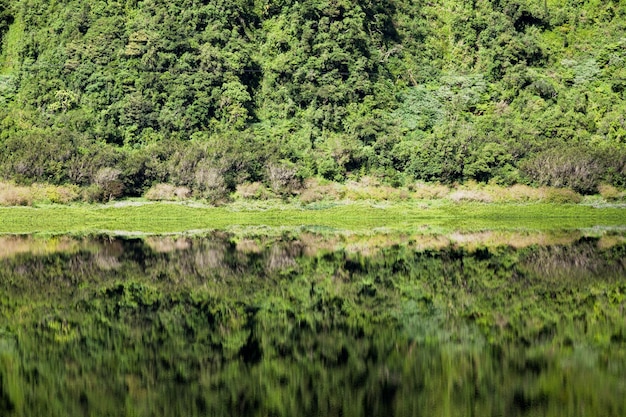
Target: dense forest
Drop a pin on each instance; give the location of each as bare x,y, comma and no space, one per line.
117,96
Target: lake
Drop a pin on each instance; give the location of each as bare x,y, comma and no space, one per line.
314,323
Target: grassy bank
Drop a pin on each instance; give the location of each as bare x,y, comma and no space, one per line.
428,216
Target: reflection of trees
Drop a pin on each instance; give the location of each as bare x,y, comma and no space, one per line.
571,261
210,257
167,244
209,327
283,256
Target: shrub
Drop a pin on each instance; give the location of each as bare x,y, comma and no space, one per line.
426,191
167,192
106,185
369,188
610,193
30,156
314,190
282,178
13,195
55,194
209,183
614,159
92,194
561,196
575,168
470,195
517,192
184,162
252,190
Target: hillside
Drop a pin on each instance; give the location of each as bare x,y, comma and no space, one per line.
116,96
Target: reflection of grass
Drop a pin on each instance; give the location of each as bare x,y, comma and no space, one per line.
14,245
438,216
187,311
312,241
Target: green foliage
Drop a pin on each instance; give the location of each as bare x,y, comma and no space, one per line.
302,325
6,18
38,156
182,93
409,216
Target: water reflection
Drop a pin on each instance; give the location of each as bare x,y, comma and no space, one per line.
484,324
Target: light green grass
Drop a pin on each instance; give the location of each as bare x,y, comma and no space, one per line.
434,216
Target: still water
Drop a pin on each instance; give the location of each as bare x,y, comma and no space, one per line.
307,324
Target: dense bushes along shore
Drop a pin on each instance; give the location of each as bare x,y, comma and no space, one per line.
310,192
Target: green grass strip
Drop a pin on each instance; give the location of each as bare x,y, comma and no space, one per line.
164,218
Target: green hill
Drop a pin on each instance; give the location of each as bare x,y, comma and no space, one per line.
209,94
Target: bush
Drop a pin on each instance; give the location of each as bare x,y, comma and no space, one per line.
29,156
209,183
167,192
55,194
369,188
252,190
575,168
12,195
184,162
610,193
106,186
92,194
314,190
282,178
517,192
561,196
470,195
614,159
427,191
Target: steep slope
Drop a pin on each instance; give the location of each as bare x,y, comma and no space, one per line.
210,94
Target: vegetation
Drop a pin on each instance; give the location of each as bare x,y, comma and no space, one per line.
298,325
119,96
312,193
421,218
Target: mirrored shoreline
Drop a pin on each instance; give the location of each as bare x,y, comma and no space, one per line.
490,323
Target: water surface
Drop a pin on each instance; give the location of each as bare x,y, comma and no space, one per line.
489,324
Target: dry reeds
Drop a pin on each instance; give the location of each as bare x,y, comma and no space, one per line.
424,191
167,192
517,193
16,195
471,195
252,190
369,188
314,190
